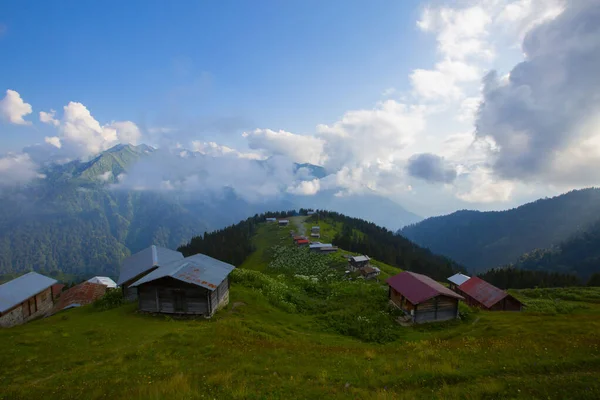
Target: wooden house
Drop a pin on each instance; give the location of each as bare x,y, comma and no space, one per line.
424,299
284,222
141,264
197,285
25,298
355,263
271,219
457,279
315,229
315,235
327,249
479,293
369,272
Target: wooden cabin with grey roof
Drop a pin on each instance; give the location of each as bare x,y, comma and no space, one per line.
196,285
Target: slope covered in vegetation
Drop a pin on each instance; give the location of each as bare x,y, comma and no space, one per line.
484,240
296,328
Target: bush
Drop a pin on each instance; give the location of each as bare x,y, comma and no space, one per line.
465,312
112,298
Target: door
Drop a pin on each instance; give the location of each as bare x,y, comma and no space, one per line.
179,300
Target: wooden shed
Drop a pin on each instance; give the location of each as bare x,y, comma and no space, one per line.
422,298
358,262
141,264
197,285
479,293
25,298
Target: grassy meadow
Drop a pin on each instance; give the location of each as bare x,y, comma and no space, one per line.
295,327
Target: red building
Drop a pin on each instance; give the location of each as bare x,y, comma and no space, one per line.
479,293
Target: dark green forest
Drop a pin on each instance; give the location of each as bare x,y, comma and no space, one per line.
232,244
484,240
517,278
365,237
580,254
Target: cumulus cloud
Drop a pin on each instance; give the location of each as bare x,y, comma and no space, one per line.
17,169
305,188
549,104
300,148
54,141
48,118
13,108
431,168
127,132
366,137
79,134
483,186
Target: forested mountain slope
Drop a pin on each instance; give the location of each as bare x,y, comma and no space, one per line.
483,240
580,255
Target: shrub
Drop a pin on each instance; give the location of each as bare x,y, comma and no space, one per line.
112,298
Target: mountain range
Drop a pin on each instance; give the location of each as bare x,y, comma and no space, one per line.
555,234
79,220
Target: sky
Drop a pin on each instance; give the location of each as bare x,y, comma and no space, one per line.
436,105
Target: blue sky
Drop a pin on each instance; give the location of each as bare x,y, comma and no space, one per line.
285,65
438,105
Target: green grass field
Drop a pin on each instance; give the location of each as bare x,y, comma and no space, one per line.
312,335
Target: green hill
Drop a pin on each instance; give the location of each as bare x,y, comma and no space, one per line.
294,328
483,240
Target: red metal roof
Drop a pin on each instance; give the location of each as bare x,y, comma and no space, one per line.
418,288
82,294
302,241
485,293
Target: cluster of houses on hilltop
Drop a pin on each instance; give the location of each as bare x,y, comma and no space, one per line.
34,295
362,264
423,299
318,247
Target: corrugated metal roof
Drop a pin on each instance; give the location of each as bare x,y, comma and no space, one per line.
199,269
320,245
103,280
20,289
418,288
360,258
145,260
82,294
459,279
485,293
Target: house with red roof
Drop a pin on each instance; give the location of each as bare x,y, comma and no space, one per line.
424,299
479,293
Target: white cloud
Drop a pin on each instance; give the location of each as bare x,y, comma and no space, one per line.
367,137
48,118
105,177
460,32
305,188
547,109
81,135
54,141
17,169
300,148
13,108
484,187
127,132
217,150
